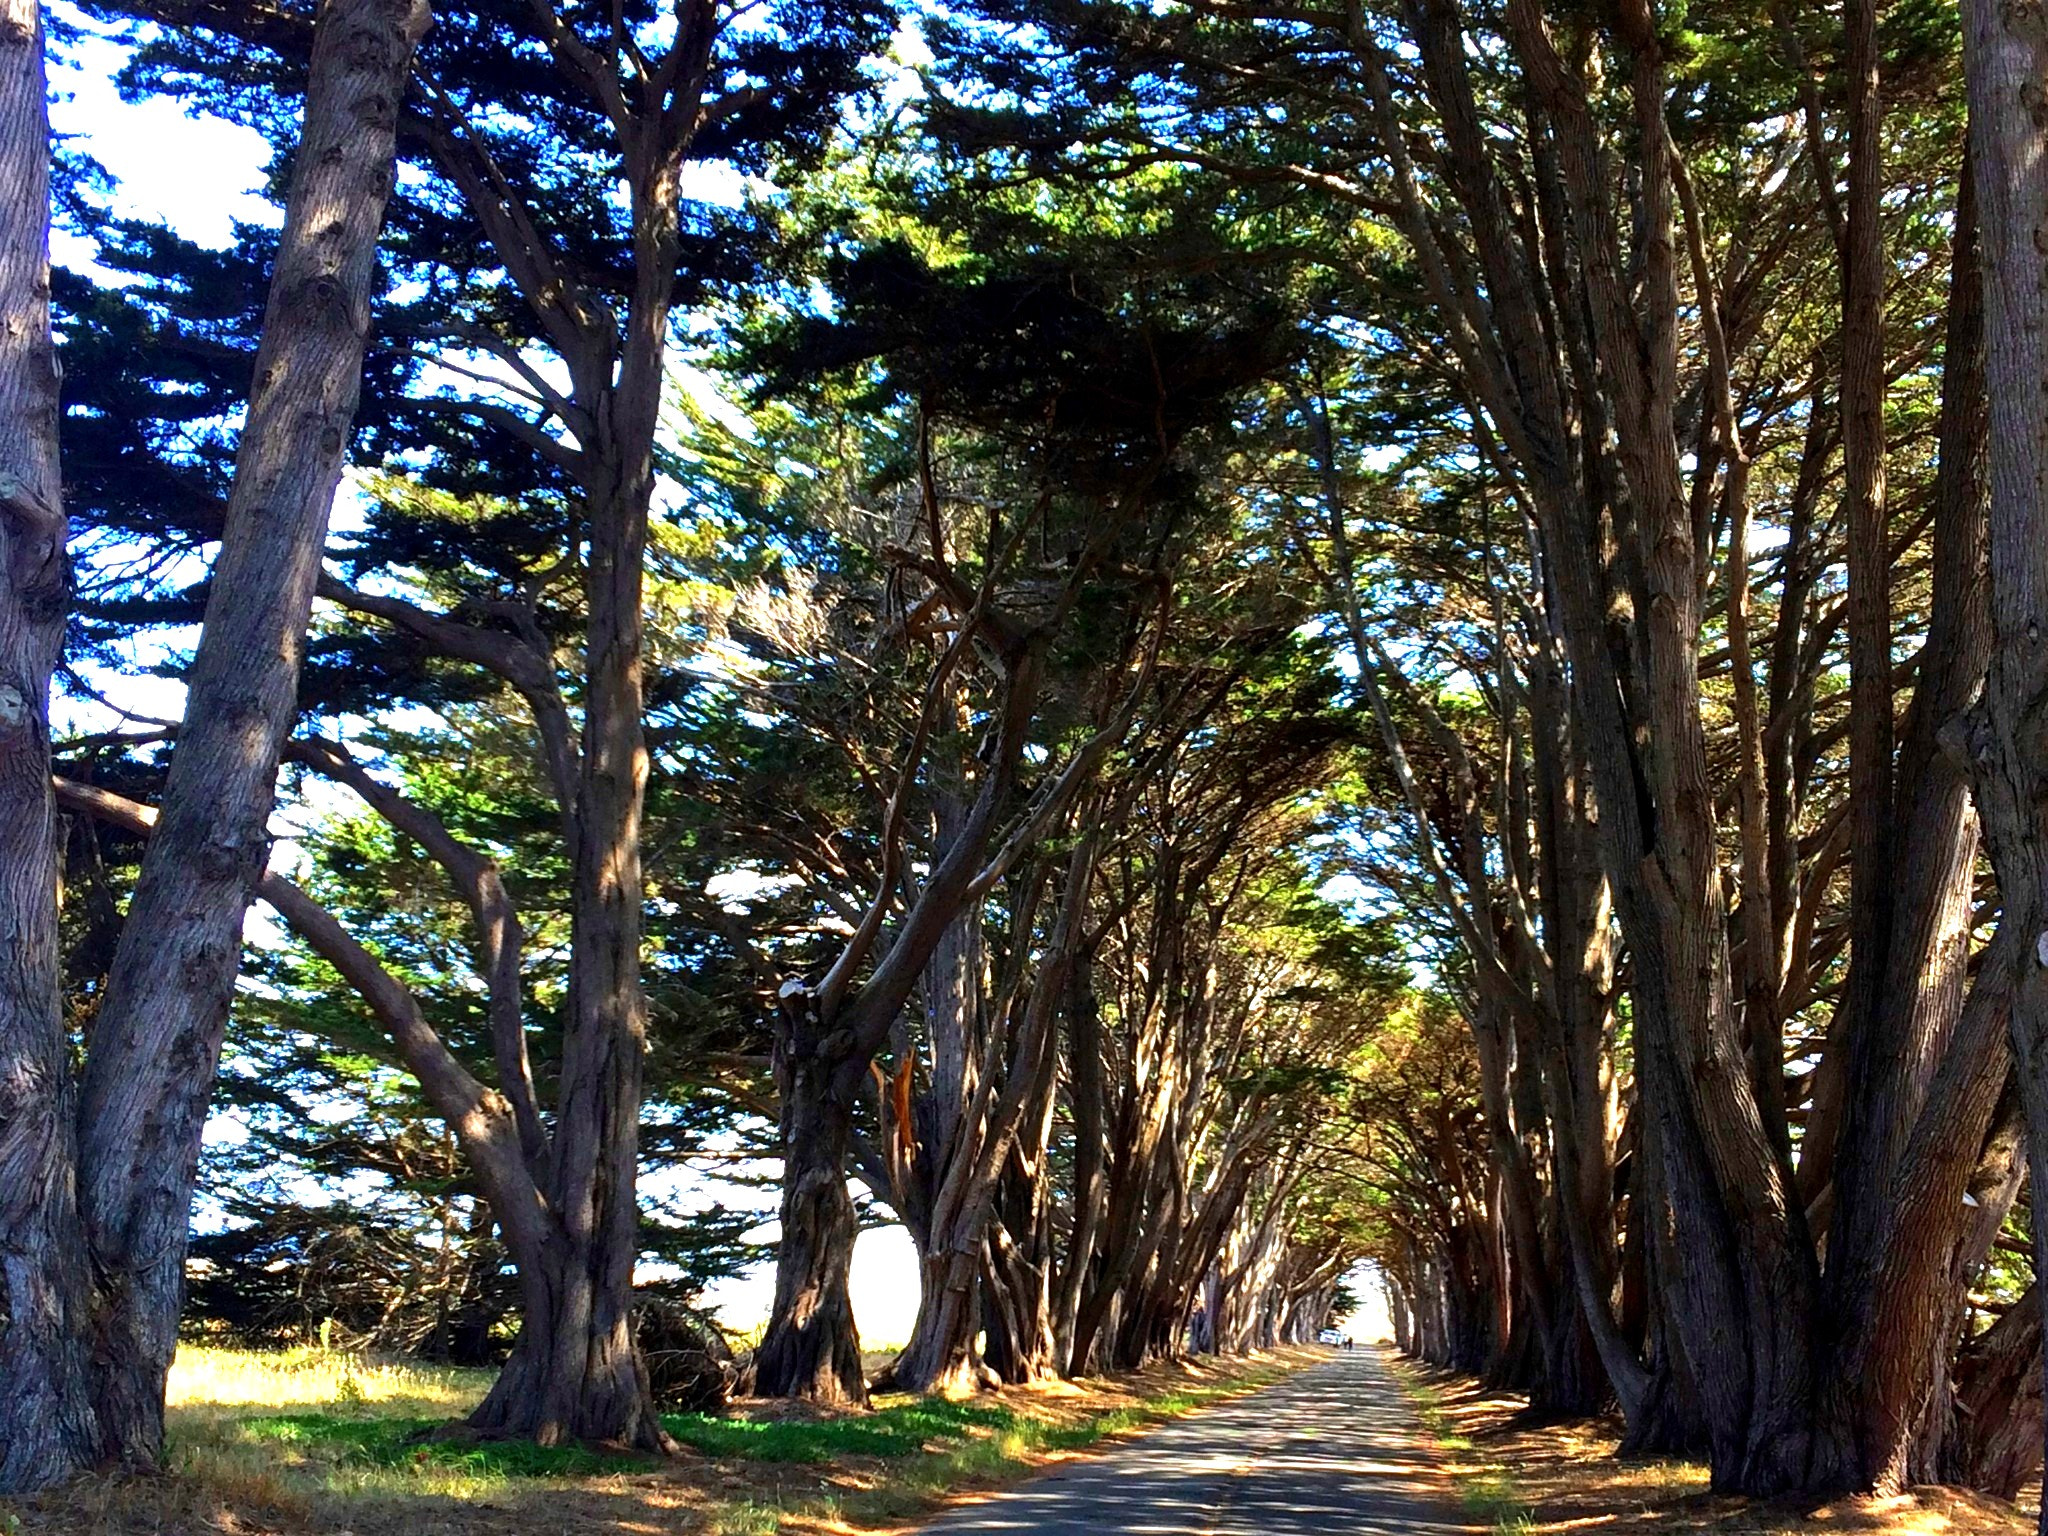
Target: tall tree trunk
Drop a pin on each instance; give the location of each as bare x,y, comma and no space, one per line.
1744,1273
827,1041
1089,1096
1006,1116
47,1424
814,1353
2005,58
1017,1274
157,1036
1871,806
151,1056
1926,1068
939,1353
575,1373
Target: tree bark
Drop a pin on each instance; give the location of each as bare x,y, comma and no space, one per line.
47,1424
2005,57
827,1040
150,1059
940,1355
1996,1444
1926,1067
574,1374
149,1072
1089,1096
812,1347
1861,1180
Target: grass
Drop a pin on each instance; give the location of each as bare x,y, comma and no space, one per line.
901,1428
1530,1478
1488,1489
205,1379
319,1441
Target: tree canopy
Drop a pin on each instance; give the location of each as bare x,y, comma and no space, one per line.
1217,653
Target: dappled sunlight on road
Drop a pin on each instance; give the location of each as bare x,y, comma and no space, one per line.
1334,1452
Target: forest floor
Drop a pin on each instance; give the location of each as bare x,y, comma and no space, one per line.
1526,1478
311,1443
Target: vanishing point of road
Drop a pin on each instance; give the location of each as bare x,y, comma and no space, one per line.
1331,1451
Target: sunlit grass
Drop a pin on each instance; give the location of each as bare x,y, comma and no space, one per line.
1488,1490
899,1426
314,1437
238,1425
1529,1477
205,1378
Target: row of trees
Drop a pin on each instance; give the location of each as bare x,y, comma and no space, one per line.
919,770
1670,465
1559,481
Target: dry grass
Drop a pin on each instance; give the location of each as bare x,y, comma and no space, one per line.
1565,1480
204,1380
315,1444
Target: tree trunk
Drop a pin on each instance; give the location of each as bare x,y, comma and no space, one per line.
1016,1305
941,1356
1089,1096
1871,805
1020,1343
1995,1443
1744,1276
827,1042
813,1350
149,1071
1953,1430
2005,57
584,1329
1008,1116
1925,1069
1570,1382
150,1059
574,1375
47,1424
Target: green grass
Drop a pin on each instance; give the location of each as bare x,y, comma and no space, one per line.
205,1380
1489,1491
930,1427
320,1436
899,1428
401,1442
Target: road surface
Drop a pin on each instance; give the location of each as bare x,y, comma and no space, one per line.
1331,1451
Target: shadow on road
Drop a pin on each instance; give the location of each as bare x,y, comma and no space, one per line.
1332,1452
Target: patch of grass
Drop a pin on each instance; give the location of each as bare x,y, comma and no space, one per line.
747,1518
285,1430
267,1445
400,1442
1566,1477
900,1427
1488,1490
205,1379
